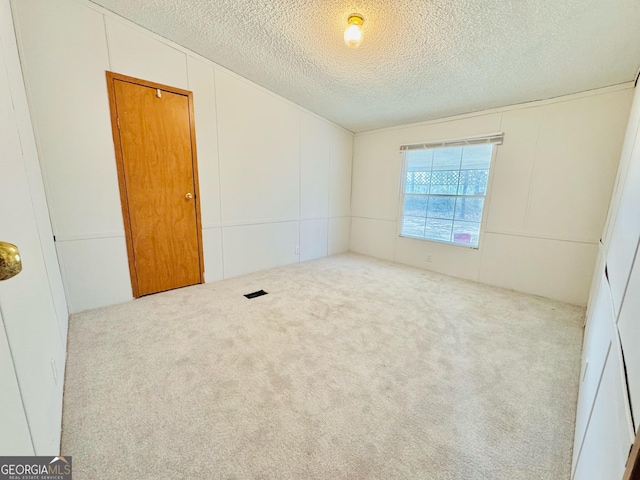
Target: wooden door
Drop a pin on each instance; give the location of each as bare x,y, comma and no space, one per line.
155,149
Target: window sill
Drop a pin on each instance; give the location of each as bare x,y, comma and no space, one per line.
440,242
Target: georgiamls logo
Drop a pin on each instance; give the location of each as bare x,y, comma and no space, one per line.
35,468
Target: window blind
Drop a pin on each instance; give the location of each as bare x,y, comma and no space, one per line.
495,138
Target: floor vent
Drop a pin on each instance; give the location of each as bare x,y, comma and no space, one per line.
259,293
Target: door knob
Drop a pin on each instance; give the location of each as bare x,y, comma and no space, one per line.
188,196
10,261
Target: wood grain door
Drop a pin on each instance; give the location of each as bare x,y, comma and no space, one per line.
154,134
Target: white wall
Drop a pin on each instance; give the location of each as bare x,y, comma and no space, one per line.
550,186
33,318
273,176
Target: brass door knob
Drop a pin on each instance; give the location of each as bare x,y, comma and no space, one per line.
10,261
188,196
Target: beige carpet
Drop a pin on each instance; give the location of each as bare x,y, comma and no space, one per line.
351,368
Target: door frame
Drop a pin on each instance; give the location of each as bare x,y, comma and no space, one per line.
115,129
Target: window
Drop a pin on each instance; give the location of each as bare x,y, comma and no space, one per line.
444,190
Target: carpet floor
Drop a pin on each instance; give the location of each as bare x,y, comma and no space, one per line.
350,368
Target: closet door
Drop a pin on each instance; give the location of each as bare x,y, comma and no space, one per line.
609,433
626,229
629,328
597,340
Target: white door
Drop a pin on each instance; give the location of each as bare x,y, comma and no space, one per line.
15,438
626,228
36,347
629,327
609,433
597,340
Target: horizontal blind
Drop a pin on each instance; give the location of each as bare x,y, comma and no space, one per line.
495,138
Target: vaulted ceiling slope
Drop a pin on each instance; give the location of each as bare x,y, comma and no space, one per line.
420,60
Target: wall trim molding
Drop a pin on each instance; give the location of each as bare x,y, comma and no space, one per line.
72,237
540,236
510,233
516,106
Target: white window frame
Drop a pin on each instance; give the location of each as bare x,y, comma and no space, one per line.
458,142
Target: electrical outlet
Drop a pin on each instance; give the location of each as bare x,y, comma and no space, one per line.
429,258
297,250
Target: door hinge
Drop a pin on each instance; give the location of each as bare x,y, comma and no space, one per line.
118,122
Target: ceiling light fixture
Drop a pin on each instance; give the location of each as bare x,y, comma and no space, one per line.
353,33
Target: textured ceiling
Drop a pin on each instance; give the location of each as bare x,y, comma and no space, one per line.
420,59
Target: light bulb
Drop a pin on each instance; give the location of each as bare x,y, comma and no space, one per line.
353,33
